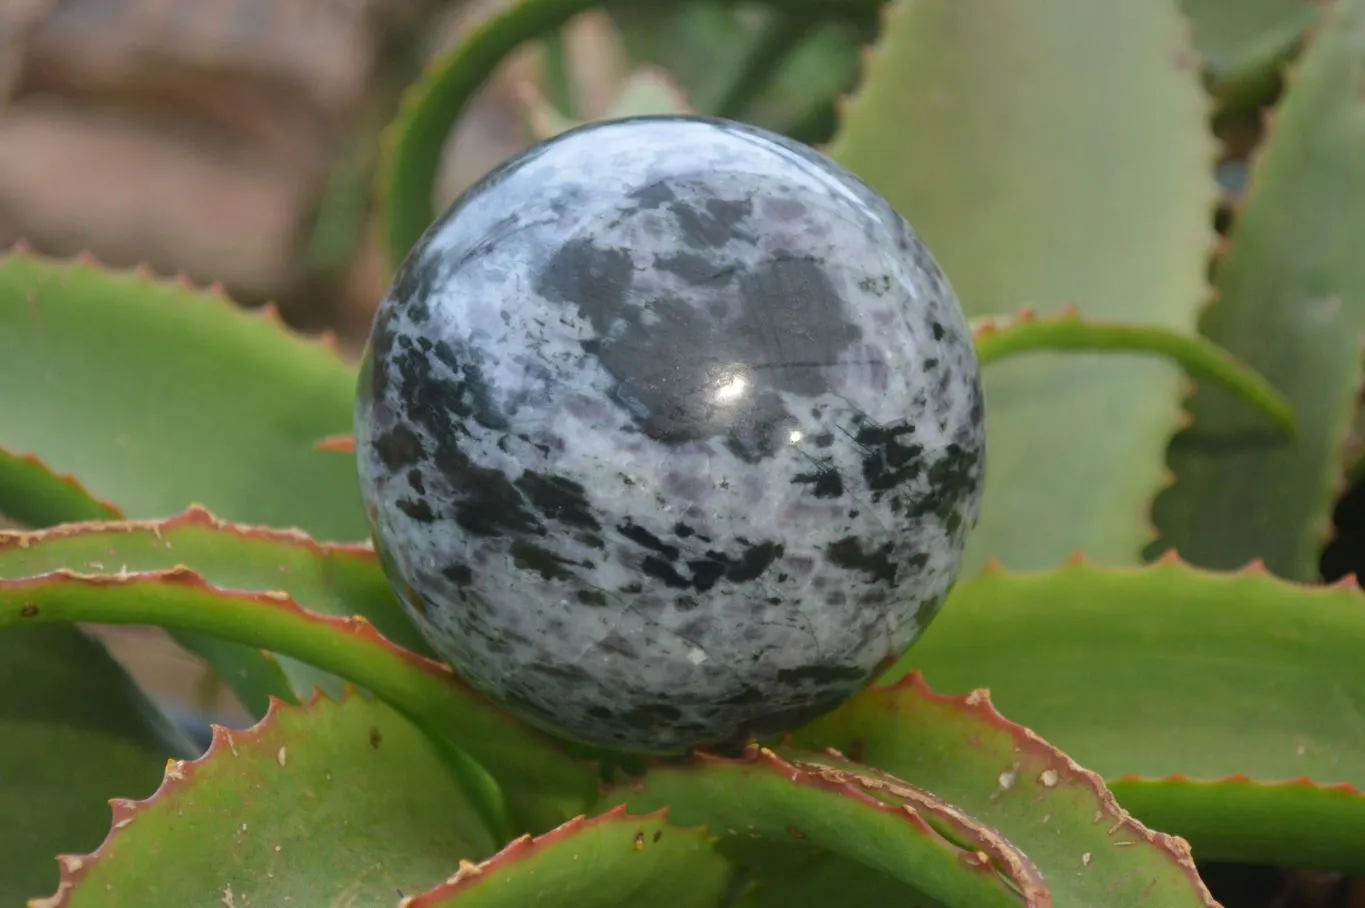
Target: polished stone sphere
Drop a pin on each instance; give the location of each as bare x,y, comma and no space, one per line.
670,433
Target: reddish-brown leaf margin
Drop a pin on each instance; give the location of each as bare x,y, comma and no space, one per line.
65,479
993,854
523,848
214,290
195,516
1042,758
179,775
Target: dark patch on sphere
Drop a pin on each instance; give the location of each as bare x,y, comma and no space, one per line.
670,433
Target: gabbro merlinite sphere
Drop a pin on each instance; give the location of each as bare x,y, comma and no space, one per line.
670,433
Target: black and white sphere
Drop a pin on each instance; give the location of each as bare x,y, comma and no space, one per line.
670,433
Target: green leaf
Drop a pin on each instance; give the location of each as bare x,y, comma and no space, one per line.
335,803
768,67
1245,41
997,339
330,579
542,784
827,879
76,731
32,494
1169,670
610,860
158,396
414,141
806,807
1238,819
1291,304
646,91
673,36
1059,815
801,98
1045,162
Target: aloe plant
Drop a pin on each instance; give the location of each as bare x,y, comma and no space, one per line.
1139,666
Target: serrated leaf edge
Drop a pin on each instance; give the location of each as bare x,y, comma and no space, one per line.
990,853
214,292
994,852
847,104
178,776
1288,71
66,479
1241,779
524,847
355,628
979,704
1169,561
194,517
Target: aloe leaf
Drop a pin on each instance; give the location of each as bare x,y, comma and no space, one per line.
332,803
646,91
1057,813
1244,42
821,880
543,785
930,847
1291,304
32,494
74,732
1015,169
157,396
672,35
609,860
1242,820
341,580
998,339
414,141
762,66
1171,670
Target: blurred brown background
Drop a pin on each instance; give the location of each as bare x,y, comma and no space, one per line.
232,141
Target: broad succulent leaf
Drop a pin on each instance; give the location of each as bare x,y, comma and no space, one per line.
644,92
1290,303
543,785
704,45
414,140
340,580
764,66
1088,847
75,731
820,880
999,339
156,395
338,802
605,861
929,846
1242,43
33,495
1151,673
1001,168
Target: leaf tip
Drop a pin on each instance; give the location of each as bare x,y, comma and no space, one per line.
992,567
336,444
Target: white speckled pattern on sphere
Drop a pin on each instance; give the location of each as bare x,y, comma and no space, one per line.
670,432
